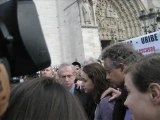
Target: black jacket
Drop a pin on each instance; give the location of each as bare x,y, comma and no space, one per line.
87,102
119,108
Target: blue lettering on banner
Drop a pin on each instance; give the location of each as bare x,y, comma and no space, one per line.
149,38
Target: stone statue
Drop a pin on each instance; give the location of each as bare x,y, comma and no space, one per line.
87,11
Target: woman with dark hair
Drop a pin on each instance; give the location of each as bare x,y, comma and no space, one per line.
43,99
142,82
95,82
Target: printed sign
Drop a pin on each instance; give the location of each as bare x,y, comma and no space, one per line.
146,44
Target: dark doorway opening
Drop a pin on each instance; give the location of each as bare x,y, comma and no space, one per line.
105,43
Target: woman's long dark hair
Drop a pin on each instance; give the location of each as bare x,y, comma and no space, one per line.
97,74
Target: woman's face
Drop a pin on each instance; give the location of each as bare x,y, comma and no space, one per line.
87,82
140,104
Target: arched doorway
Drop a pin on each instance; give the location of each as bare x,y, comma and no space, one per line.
118,20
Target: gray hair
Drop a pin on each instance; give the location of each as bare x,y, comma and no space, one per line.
89,60
121,53
63,65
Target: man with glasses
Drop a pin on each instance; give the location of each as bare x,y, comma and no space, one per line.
116,57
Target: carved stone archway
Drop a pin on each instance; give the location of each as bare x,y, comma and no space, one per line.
118,19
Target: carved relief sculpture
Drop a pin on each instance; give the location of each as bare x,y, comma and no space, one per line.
87,12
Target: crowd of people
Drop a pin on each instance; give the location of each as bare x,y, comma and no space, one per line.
125,86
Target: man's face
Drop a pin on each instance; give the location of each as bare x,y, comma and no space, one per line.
115,75
77,69
139,104
67,75
47,72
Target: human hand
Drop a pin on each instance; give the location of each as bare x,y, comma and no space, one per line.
114,93
79,84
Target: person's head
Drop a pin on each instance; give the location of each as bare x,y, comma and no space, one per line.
77,67
94,78
43,99
67,73
4,89
77,64
89,60
47,72
142,81
31,76
116,57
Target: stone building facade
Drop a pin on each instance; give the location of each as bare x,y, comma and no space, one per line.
78,29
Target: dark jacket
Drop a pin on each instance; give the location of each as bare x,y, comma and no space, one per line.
119,108
87,102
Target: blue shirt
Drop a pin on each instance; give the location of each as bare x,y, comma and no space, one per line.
71,89
128,115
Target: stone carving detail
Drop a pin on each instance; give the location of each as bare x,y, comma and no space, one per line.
87,13
118,19
110,25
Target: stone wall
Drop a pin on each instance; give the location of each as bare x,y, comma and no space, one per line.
70,31
151,3
92,46
61,25
47,10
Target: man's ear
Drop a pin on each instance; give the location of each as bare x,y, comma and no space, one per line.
154,89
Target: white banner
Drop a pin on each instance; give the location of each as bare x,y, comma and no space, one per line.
146,44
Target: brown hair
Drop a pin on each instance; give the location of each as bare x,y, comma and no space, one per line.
97,74
43,99
145,71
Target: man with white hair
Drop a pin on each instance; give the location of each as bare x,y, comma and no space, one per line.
67,74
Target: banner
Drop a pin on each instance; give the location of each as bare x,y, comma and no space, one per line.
146,44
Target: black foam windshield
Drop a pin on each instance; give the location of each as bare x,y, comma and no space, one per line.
27,51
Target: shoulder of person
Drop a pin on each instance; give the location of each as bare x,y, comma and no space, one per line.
123,96
105,107
105,101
